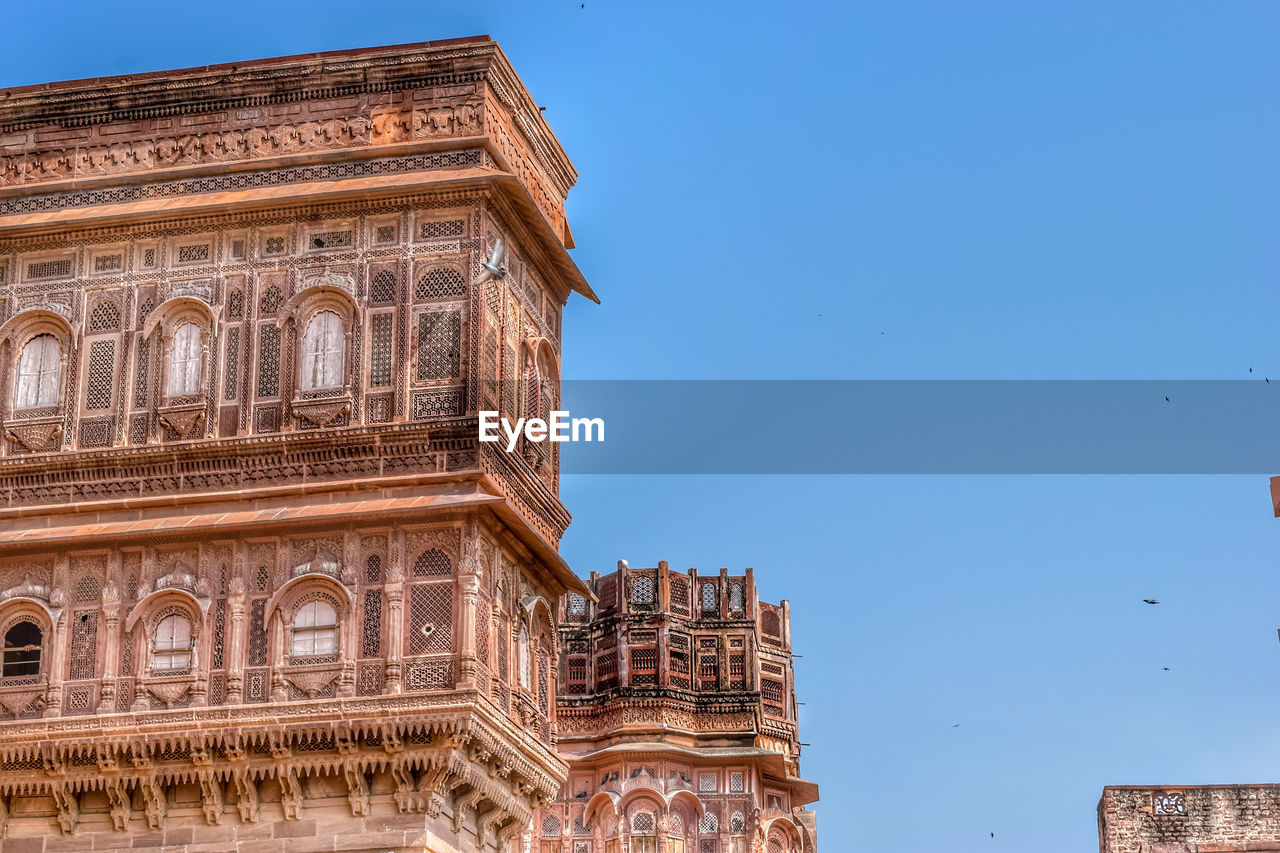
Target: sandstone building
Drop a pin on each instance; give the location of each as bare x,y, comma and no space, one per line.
261,588
677,715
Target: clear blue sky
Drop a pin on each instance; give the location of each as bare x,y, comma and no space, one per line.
1007,190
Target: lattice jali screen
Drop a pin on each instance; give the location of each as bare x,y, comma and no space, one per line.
382,290
439,345
378,408
108,263
382,335
79,698
708,672
193,254
126,655
432,563
371,633
96,432
373,569
441,229
679,587
84,645
642,590
369,678
431,605
266,418
102,359
440,284
105,317
86,591
709,597
140,373
41,270
255,685
483,621
331,240
219,632
268,360
503,640
258,632
709,823
270,301
429,675
436,404
231,364
736,600
235,304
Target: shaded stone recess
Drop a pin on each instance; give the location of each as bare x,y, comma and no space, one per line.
1189,819
677,716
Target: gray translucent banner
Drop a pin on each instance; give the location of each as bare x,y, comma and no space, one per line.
925,427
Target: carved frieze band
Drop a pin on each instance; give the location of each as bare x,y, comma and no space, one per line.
221,183
232,145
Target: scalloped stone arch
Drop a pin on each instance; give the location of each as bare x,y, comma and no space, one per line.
312,300
590,812
153,602
296,589
30,322
173,311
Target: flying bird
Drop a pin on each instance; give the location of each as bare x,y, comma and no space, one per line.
1149,601
955,725
1266,380
1165,668
493,266
1167,400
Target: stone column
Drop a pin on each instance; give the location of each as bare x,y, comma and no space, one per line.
470,588
235,650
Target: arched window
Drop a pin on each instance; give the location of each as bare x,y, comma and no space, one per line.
323,352
39,371
643,833
524,658
315,630
188,356
709,597
23,644
171,649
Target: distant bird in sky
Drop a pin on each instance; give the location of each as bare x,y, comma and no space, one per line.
1167,400
542,109
993,835
1266,380
1165,668
1149,601
955,725
493,266
1251,370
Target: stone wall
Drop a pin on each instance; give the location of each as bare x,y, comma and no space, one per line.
1195,819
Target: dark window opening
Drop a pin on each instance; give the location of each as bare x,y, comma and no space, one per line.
22,646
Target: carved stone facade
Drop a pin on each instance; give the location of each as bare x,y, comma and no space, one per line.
261,588
677,716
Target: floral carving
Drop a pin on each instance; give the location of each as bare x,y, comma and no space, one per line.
247,144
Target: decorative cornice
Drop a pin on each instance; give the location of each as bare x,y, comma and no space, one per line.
232,86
